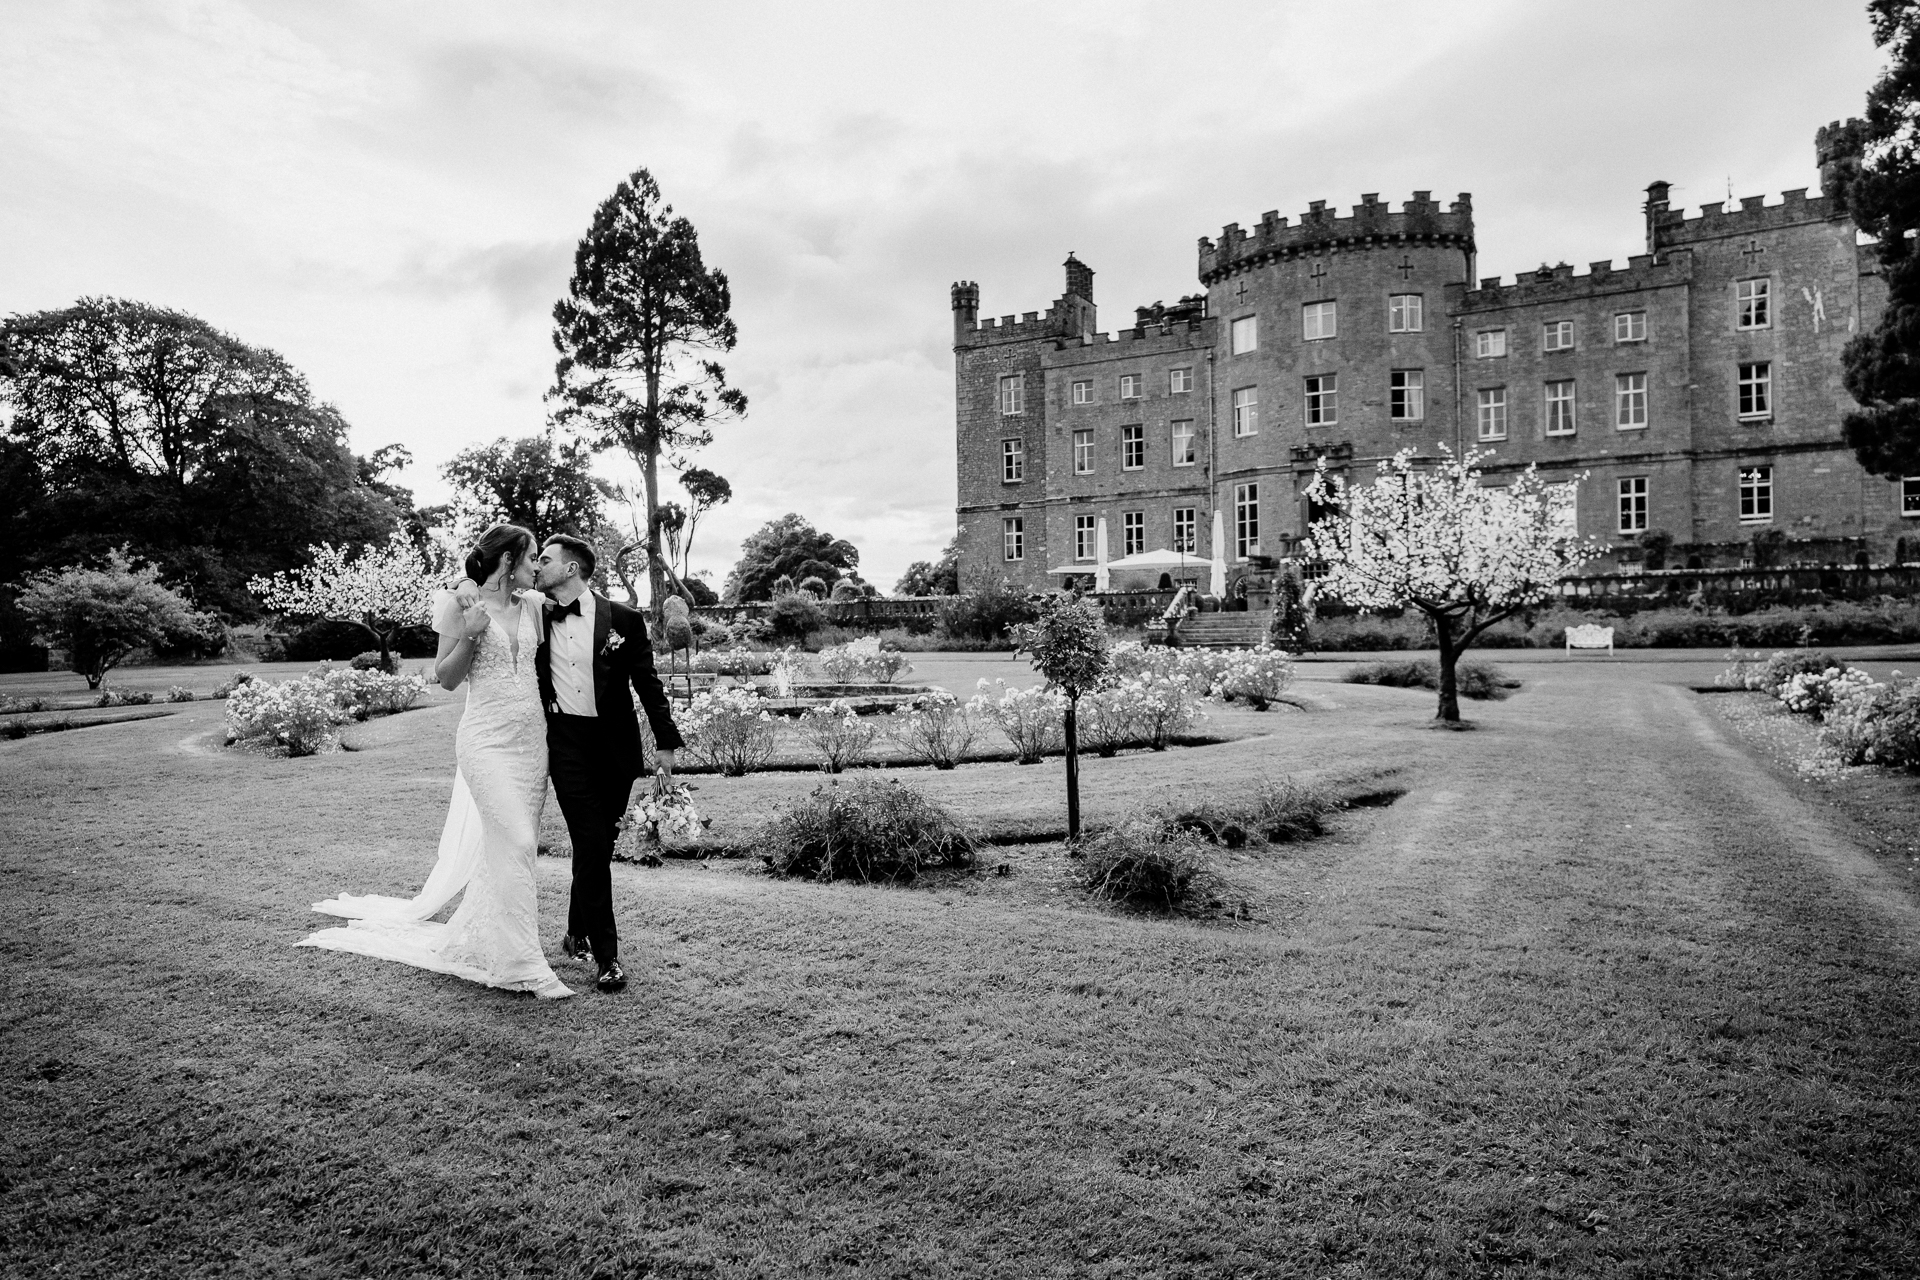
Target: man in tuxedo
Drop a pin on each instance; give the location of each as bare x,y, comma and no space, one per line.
594,656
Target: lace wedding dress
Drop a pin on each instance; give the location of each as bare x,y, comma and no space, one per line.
487,846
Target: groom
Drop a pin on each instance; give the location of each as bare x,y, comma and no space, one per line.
591,652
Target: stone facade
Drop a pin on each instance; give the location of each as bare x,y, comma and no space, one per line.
1695,392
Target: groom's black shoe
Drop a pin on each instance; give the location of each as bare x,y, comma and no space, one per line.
575,948
612,977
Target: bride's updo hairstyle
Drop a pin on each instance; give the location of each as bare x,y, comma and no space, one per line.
502,540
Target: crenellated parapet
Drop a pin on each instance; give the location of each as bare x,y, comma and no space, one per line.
1561,283
1373,223
1667,227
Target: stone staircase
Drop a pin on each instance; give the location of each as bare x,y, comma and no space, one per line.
1223,630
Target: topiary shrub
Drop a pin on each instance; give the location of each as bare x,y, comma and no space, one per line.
846,590
814,586
795,616
864,830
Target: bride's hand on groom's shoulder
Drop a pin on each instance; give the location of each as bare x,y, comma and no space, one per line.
466,593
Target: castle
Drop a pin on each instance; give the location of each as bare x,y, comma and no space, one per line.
1698,389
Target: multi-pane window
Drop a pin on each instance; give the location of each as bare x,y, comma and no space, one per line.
1753,303
1013,394
1183,443
1493,413
1404,313
1407,395
1083,392
1489,344
1133,533
1179,381
1630,401
1184,530
1083,536
1556,335
1756,390
1013,537
1318,320
1630,326
1133,447
1129,386
1246,334
1246,519
1910,496
1083,453
1013,461
1560,407
1633,504
1323,399
1756,494
1246,411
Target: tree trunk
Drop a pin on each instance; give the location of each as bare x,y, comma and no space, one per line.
1449,655
1073,772
656,582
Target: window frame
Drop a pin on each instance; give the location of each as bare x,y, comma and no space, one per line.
1550,405
1086,531
1321,404
1554,329
1246,518
1133,447
1082,391
1633,502
1626,397
1013,395
1629,316
1130,386
1753,389
1013,460
1083,451
1133,532
1189,517
1173,442
1909,497
1013,538
1247,326
1407,395
1180,381
1753,310
1755,494
1406,313
1249,424
1481,404
1482,338
1326,312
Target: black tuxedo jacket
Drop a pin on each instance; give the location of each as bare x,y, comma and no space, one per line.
619,672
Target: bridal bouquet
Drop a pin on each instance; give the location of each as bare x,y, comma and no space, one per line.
659,814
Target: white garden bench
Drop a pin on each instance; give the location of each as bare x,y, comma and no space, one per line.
1589,637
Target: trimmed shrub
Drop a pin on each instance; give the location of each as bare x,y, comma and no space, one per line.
179,693
729,730
123,698
935,728
814,586
866,831
1470,679
795,615
1149,864
1034,720
837,734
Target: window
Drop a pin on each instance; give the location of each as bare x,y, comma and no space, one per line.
1083,453
1756,494
1318,320
1083,392
1183,444
1630,401
1133,533
1756,390
1910,496
1013,394
1133,448
1083,536
1246,519
1129,386
1403,313
1179,381
1752,299
1323,399
1556,335
1013,537
1630,326
1246,411
1184,527
1493,413
1013,461
1560,407
1407,395
1246,335
1633,504
1489,344
1563,506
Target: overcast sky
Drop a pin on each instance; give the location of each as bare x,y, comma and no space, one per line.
389,193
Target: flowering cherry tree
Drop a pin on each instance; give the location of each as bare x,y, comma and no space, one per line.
1464,553
383,588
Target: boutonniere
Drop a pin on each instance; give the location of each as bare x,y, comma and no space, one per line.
614,641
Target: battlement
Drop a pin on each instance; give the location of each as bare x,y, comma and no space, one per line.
1667,227
1420,220
1027,326
1561,283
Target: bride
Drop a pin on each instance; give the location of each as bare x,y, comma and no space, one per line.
487,846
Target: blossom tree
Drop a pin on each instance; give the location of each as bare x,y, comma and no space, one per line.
1069,645
1464,553
99,616
382,588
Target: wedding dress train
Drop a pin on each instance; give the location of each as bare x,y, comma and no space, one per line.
487,847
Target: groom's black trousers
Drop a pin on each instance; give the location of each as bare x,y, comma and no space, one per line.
593,780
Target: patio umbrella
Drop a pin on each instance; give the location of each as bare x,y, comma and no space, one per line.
1101,582
1218,587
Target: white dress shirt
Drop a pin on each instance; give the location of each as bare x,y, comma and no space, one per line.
570,660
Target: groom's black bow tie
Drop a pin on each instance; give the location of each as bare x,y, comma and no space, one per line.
555,612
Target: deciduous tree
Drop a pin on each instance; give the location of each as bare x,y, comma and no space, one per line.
383,588
789,547
533,482
933,578
1437,539
99,616
1069,645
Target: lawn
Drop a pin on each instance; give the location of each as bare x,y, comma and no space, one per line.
1599,995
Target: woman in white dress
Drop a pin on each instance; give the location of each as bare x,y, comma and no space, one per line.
488,844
